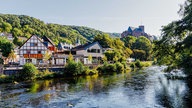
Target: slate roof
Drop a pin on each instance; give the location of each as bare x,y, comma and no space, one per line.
83,47
45,38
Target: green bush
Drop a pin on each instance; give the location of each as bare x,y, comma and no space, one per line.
29,72
110,68
45,74
6,79
91,72
72,68
119,67
138,64
132,65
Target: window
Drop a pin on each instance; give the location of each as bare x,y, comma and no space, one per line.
39,61
33,44
39,52
93,50
28,60
98,50
28,52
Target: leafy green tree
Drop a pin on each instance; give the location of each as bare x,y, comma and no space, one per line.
74,68
139,54
29,72
104,40
6,27
12,56
17,41
129,41
17,32
6,48
174,49
142,43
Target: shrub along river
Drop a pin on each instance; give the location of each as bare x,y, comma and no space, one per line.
147,88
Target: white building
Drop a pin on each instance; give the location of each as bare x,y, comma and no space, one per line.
33,50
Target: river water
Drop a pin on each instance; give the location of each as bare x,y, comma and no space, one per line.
148,88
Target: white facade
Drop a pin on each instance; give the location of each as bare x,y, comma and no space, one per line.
32,51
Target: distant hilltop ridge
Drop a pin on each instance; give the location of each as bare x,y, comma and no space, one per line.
140,31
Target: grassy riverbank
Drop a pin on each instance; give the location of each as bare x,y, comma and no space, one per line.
30,72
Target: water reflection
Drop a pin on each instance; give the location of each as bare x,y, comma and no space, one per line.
139,89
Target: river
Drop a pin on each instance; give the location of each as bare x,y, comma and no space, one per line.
147,88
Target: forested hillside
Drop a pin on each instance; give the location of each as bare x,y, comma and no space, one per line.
25,26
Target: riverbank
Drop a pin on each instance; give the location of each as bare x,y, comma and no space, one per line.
72,69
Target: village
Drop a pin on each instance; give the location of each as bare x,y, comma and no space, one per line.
34,50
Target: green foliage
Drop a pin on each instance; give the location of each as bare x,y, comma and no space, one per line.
17,41
6,79
132,65
139,54
104,40
1,61
6,46
141,47
45,74
70,58
111,68
119,67
142,43
73,69
174,49
22,25
138,64
129,41
29,72
91,71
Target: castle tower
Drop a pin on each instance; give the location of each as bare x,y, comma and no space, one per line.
142,27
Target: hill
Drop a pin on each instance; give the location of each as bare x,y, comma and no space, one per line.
25,26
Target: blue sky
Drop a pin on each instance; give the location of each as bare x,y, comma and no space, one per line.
104,15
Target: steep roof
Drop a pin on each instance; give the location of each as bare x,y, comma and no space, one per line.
131,28
30,38
45,38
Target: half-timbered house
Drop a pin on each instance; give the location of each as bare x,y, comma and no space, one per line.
33,50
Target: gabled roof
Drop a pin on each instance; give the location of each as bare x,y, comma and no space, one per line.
131,28
85,46
45,38
30,38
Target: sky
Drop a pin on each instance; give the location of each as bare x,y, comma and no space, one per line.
104,15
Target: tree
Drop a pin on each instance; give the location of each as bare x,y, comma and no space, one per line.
142,43
175,48
90,58
104,40
17,41
139,54
12,56
6,48
17,32
129,41
6,27
47,56
70,57
28,72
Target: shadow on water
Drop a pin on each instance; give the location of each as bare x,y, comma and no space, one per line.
138,89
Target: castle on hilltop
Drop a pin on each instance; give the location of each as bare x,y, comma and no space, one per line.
140,31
